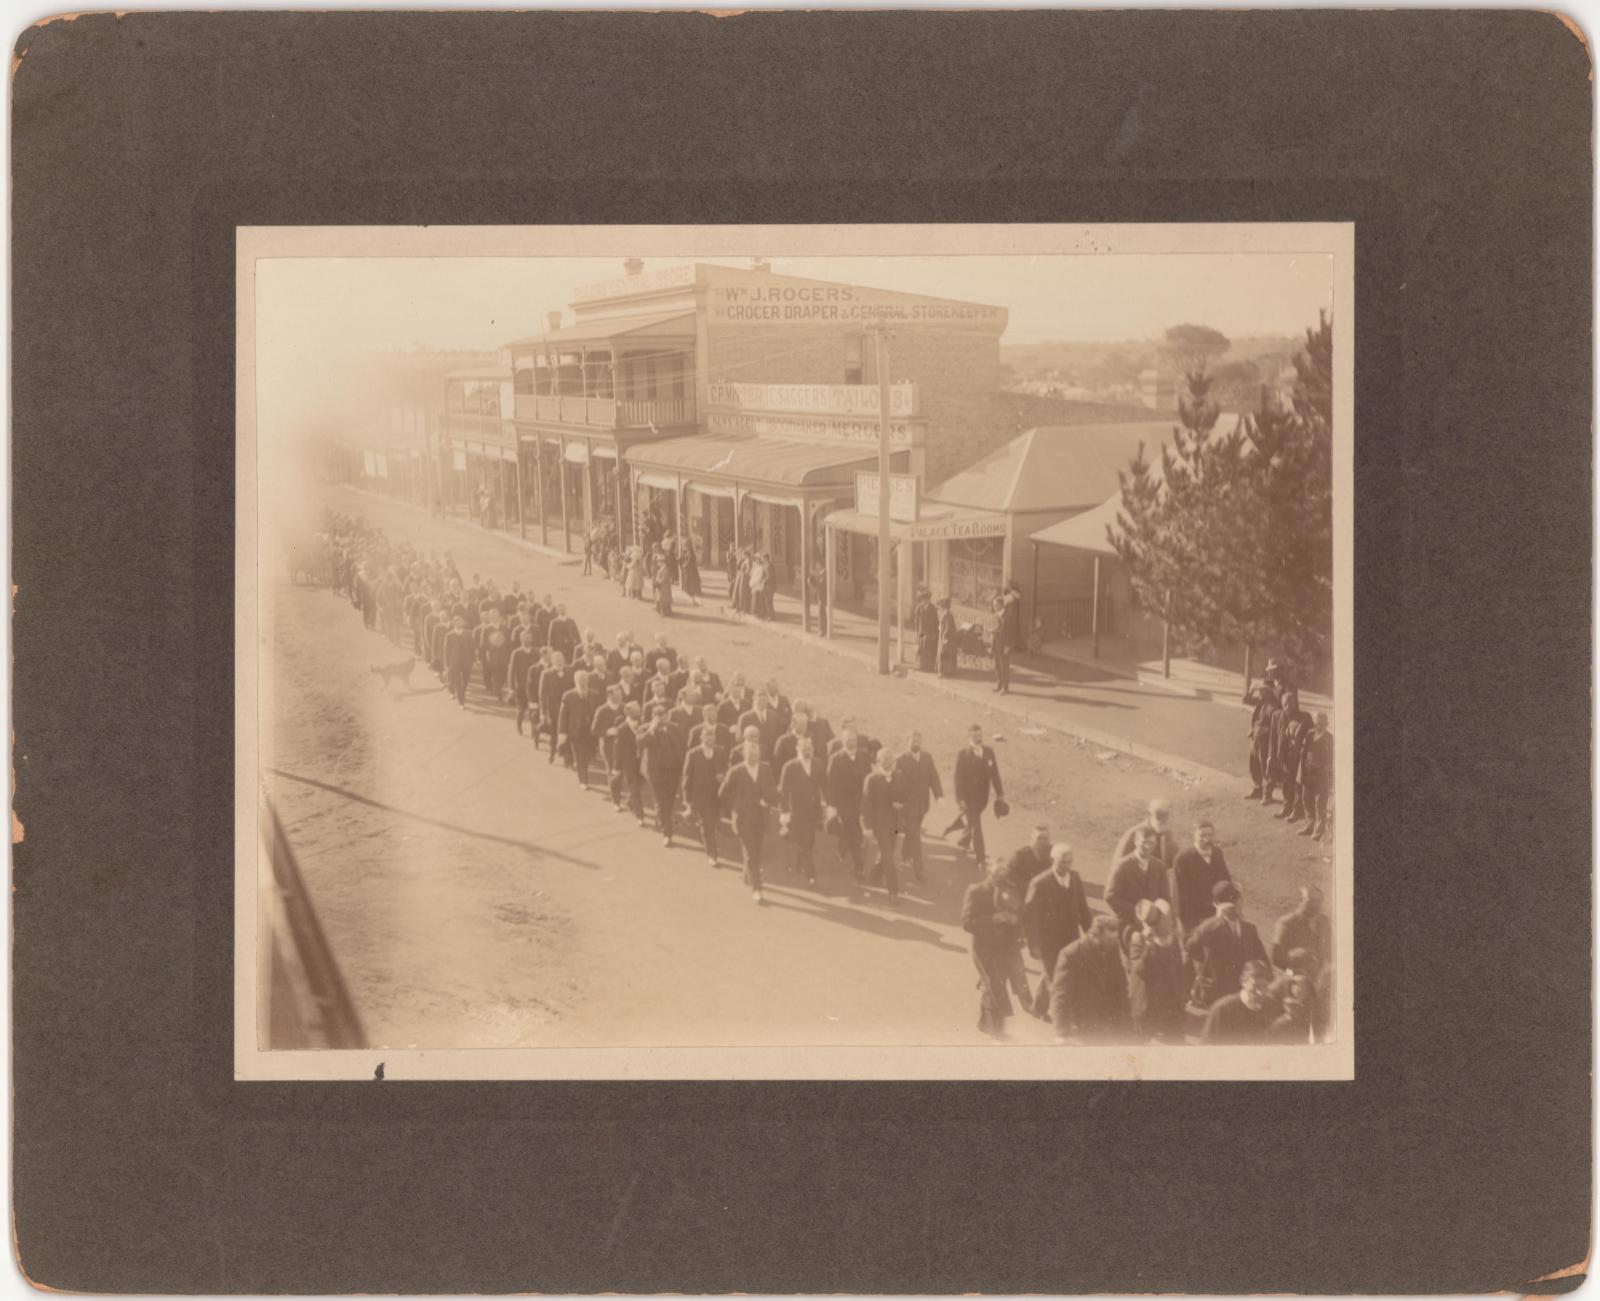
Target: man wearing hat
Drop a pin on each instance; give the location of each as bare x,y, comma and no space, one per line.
925,619
1263,700
1219,948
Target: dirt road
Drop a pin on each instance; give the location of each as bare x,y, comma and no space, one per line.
476,898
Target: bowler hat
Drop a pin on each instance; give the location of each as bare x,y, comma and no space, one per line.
1225,892
1001,808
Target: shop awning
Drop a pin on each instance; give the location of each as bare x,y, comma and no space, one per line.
711,489
667,482
1085,532
753,461
939,527
577,453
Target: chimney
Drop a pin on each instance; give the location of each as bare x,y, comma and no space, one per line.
552,321
633,266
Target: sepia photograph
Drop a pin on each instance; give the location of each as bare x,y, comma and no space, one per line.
849,652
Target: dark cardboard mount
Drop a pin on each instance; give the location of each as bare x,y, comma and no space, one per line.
1458,1160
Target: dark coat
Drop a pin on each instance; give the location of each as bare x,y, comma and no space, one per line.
747,798
1316,763
458,652
702,778
1023,866
1089,992
1297,930
976,776
771,728
916,783
625,755
847,779
801,792
1231,1022
564,635
553,688
1218,957
1129,882
1192,882
723,742
577,713
992,914
732,707
1054,915
1155,987
663,758
877,805
517,672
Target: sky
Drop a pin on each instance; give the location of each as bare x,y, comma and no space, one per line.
334,304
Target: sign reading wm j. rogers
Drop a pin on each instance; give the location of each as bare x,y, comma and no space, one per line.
813,399
821,304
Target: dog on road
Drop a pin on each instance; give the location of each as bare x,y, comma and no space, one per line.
400,672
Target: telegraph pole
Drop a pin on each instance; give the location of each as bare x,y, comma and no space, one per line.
883,500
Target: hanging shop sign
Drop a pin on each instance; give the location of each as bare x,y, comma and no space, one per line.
904,501
814,399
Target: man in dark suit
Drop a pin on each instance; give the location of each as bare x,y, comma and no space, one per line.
658,654
1007,635
977,774
1263,700
1055,912
663,765
847,779
607,719
1219,948
563,633
722,737
1164,850
1135,877
780,703
627,755
1245,1016
684,716
573,724
1031,859
1316,777
766,719
878,813
737,700
925,618
1307,927
800,793
554,683
788,745
522,659
618,656
916,783
702,787
991,912
1089,991
1195,873
748,791
458,658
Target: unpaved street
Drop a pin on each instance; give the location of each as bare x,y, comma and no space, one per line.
476,898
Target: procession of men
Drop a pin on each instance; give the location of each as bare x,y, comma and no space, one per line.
1168,958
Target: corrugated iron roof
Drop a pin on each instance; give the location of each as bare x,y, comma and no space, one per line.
668,324
1052,467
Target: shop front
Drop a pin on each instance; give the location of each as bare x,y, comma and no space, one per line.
732,491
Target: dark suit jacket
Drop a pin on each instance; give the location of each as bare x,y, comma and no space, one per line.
723,742
577,712
916,782
787,748
553,688
1218,958
732,707
1024,865
991,936
1054,915
801,792
748,798
1129,882
771,728
846,779
1192,881
877,804
663,758
1089,992
976,777
702,777
625,757
1316,763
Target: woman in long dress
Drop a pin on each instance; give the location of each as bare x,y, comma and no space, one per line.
663,586
949,636
636,574
689,568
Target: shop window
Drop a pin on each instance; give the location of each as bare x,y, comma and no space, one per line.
976,570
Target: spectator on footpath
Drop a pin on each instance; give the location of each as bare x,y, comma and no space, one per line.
1263,700
1195,873
1089,991
916,783
1220,948
925,619
1316,776
949,639
1055,912
1245,1016
1007,634
991,912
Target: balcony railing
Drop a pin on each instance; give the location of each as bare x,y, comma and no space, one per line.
468,424
606,413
